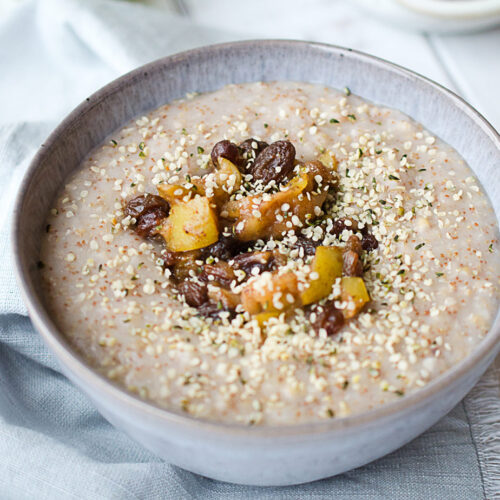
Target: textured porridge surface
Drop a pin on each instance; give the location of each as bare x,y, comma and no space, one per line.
433,281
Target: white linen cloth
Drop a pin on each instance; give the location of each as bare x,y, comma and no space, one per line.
53,443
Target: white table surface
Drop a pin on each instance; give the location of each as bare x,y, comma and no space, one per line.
466,64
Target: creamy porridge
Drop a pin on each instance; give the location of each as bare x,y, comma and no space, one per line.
272,253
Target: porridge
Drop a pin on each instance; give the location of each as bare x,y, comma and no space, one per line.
272,253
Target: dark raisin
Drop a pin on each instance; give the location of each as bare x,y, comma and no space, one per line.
148,223
340,225
224,249
274,163
354,244
263,261
220,272
334,321
352,264
308,245
144,203
148,210
194,293
210,310
248,152
169,257
213,310
330,318
369,242
225,149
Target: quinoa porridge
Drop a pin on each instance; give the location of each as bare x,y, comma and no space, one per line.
272,253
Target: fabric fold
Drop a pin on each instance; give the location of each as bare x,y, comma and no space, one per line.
483,407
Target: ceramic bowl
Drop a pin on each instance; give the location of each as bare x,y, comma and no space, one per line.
253,455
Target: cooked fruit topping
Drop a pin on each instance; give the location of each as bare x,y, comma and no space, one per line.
248,237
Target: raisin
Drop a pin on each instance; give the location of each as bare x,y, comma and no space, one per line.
307,245
195,294
274,163
354,244
224,249
169,257
369,242
331,319
213,310
210,310
225,149
144,203
148,210
220,272
263,261
340,225
352,264
248,152
148,223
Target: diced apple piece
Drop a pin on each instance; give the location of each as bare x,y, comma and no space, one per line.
262,216
353,291
218,187
271,292
191,225
227,299
245,209
174,193
228,180
329,160
327,264
263,318
198,185
257,214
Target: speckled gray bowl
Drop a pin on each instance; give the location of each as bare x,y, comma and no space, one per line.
258,455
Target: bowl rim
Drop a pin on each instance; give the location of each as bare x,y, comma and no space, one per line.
81,370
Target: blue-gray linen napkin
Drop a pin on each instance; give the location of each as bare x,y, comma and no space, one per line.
53,443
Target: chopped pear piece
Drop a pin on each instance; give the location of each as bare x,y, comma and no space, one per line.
227,299
329,160
327,264
263,318
217,187
270,292
227,180
174,193
264,215
191,225
353,291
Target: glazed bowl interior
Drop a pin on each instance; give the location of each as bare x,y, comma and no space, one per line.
206,69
